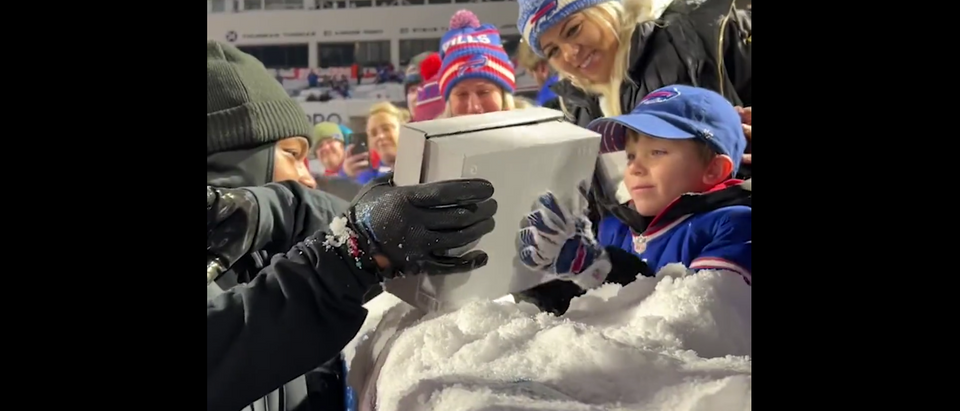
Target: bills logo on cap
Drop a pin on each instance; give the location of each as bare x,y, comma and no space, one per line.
660,96
546,9
477,62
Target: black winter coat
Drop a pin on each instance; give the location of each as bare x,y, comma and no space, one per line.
295,315
250,321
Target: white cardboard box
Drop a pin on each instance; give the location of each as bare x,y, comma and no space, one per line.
523,153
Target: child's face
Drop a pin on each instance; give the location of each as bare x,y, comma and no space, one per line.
659,171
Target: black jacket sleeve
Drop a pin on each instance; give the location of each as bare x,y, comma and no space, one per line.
734,41
552,296
289,212
736,60
297,313
625,266
555,296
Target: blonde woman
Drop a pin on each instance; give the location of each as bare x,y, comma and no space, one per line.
383,131
613,53
476,75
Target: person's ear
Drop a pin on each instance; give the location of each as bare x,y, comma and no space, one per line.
719,169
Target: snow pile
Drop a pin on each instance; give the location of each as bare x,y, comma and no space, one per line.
676,342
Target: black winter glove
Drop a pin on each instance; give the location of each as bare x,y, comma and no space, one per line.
555,296
415,227
232,220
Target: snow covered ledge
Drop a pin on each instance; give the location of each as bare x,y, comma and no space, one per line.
677,342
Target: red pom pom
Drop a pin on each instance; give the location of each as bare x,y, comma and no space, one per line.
463,19
430,66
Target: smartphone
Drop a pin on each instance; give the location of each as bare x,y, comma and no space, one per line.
360,144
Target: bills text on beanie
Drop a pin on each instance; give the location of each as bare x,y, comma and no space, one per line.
473,51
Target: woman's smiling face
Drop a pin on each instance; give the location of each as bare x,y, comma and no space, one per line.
581,47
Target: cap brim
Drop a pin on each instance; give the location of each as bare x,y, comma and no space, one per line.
325,138
614,130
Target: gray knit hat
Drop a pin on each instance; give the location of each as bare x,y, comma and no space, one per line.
246,106
412,75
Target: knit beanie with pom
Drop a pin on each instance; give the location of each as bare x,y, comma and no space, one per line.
429,101
538,16
471,50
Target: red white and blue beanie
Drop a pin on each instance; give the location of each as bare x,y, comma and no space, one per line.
429,100
471,50
538,16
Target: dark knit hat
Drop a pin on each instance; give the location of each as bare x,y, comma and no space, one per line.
246,106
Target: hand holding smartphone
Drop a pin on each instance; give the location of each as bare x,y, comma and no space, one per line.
360,144
358,155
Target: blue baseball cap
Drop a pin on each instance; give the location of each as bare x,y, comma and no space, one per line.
678,113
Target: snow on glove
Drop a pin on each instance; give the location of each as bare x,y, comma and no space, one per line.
558,239
415,227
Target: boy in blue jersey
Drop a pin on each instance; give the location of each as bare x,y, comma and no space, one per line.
683,146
